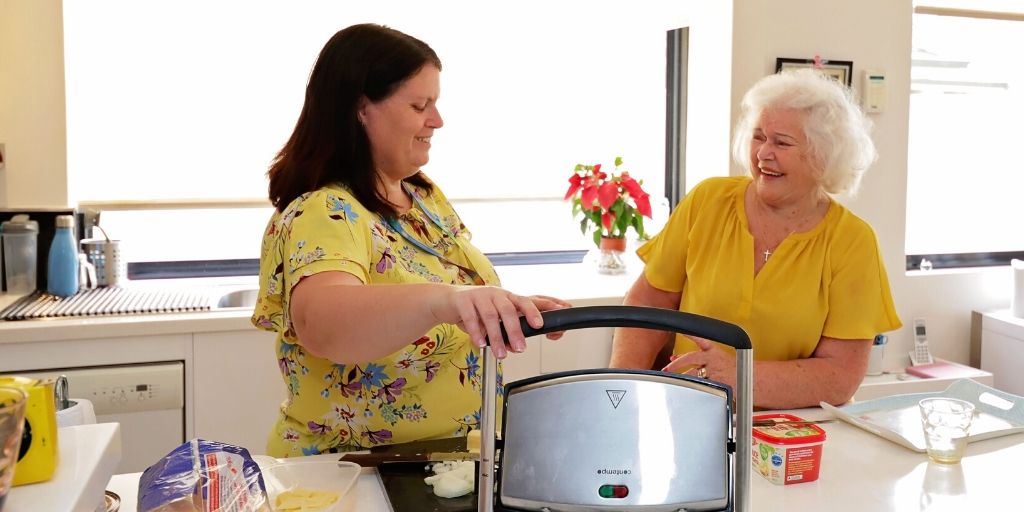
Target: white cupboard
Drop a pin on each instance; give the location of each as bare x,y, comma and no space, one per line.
1002,350
238,388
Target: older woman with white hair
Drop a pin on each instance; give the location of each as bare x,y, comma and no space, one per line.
775,253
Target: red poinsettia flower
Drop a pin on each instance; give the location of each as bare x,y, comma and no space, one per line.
643,205
575,182
640,198
607,194
588,196
632,186
595,194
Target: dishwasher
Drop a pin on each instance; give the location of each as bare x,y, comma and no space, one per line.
147,399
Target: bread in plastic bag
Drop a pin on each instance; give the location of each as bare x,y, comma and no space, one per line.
203,476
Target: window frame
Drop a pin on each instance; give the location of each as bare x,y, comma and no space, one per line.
962,260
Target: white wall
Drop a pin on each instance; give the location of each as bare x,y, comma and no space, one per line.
837,30
708,85
32,123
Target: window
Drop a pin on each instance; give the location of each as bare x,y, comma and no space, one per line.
191,100
966,101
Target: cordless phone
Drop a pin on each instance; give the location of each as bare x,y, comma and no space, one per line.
920,355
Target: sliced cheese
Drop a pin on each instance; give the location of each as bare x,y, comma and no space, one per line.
473,441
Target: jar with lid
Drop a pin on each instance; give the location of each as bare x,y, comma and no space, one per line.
20,242
62,263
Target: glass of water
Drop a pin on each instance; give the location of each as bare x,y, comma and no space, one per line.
946,423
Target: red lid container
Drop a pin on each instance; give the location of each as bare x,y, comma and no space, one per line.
788,434
787,454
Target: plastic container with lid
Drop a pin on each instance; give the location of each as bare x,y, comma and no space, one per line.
20,242
787,454
310,478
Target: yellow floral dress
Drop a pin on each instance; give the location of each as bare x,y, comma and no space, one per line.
428,389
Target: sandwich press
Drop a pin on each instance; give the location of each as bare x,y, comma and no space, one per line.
624,440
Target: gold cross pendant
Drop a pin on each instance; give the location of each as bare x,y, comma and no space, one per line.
767,253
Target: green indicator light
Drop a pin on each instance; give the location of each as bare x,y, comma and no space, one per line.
613,491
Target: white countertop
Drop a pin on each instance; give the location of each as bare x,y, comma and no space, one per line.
859,471
896,383
88,456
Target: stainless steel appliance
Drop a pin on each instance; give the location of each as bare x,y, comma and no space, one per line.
619,439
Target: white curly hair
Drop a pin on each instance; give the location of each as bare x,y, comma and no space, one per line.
837,131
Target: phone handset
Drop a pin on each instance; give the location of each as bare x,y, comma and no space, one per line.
920,355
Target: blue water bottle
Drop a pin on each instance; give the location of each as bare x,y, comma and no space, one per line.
62,265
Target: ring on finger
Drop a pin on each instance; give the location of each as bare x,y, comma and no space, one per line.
702,372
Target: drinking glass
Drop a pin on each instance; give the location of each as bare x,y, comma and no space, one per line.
946,423
12,419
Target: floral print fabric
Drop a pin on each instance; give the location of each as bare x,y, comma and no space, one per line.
430,388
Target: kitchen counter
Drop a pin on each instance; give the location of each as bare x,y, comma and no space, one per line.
859,471
578,283
57,329
87,457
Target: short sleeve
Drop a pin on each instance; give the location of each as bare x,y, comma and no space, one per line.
329,232
665,254
860,300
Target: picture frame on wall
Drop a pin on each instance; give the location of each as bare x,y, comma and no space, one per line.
841,70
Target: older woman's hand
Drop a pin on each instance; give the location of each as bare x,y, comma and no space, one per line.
719,365
479,310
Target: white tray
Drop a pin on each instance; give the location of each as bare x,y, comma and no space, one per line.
898,419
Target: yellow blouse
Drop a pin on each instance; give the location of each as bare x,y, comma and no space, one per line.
431,387
829,281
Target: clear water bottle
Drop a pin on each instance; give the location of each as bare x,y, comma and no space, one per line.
62,264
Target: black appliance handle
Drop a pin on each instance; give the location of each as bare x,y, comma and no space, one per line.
640,317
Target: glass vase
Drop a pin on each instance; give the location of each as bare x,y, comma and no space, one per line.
610,260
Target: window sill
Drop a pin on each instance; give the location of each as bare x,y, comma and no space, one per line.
574,282
988,270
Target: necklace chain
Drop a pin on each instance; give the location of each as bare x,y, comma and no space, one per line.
771,249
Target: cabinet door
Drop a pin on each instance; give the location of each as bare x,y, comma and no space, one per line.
525,364
238,388
1003,355
579,349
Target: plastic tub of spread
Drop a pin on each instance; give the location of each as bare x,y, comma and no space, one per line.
787,454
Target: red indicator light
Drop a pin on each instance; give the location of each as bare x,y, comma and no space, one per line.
613,491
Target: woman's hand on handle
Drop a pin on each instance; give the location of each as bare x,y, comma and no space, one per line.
545,303
480,310
718,365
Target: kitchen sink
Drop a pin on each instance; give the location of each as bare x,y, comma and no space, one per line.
237,299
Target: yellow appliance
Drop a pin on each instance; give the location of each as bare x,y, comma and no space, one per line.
37,460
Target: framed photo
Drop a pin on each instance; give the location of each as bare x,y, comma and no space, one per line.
841,70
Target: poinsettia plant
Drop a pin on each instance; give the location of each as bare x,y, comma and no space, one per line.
608,204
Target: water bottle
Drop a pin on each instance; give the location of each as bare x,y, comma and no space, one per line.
62,265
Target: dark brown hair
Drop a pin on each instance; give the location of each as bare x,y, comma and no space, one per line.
329,144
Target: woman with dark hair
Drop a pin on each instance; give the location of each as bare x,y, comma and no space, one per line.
367,274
